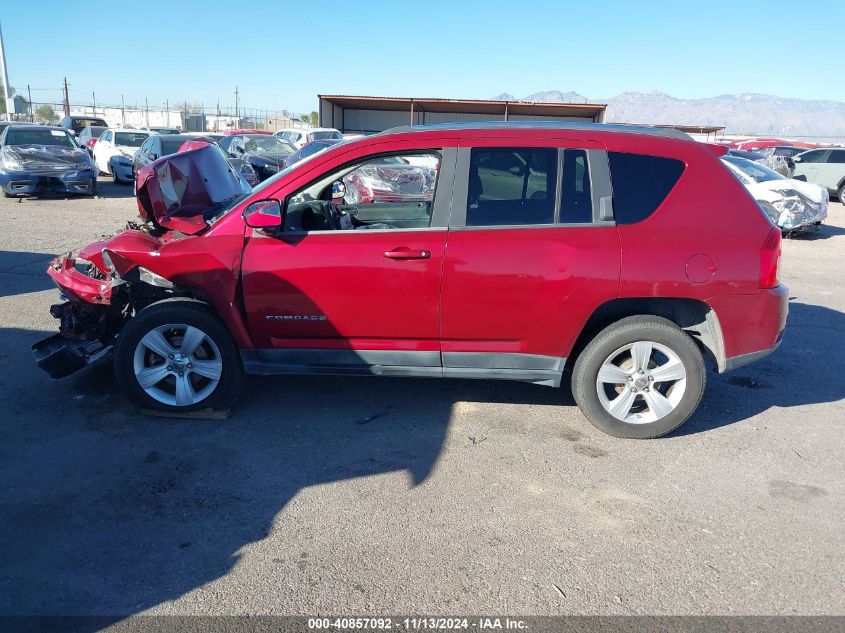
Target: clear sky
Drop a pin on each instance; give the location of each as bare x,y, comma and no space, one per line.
282,54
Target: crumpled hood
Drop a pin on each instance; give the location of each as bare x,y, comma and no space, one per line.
178,191
808,189
50,159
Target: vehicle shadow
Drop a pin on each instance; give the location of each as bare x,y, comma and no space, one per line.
806,369
106,511
23,272
106,188
824,232
109,512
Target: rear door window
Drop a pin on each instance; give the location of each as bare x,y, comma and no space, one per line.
576,204
837,156
640,184
511,186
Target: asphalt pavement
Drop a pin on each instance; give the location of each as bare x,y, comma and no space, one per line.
385,496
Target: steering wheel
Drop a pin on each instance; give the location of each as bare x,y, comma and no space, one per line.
332,214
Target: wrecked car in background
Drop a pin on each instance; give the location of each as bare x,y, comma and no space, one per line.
793,206
36,159
241,166
265,153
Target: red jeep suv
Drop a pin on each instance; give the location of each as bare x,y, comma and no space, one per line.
492,250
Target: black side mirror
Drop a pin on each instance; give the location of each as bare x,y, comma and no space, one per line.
800,177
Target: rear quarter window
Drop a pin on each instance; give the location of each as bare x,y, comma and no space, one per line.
640,184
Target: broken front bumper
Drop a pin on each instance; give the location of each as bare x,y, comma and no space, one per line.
60,356
26,183
86,320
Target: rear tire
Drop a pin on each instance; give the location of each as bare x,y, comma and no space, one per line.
184,356
840,193
639,378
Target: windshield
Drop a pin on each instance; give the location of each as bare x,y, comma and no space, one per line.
755,171
132,139
268,145
39,136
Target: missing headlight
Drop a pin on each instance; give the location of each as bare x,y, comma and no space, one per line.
148,276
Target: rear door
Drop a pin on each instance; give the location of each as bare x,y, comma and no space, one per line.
832,172
529,256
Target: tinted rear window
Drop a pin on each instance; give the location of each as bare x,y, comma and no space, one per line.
81,123
171,147
511,186
319,136
640,184
132,139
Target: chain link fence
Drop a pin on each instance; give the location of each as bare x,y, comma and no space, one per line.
184,117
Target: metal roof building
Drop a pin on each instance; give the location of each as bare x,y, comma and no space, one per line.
366,115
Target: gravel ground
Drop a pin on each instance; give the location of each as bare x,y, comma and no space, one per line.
367,496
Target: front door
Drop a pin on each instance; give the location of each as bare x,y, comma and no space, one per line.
528,257
808,166
352,285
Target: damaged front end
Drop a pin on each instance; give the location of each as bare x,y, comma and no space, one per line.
94,311
793,212
111,280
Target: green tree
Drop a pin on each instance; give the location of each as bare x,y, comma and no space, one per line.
314,119
46,113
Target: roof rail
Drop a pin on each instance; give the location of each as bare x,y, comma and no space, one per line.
548,125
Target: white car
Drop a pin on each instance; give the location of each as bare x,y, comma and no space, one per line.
300,137
793,205
114,151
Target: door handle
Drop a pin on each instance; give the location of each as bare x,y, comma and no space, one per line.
407,253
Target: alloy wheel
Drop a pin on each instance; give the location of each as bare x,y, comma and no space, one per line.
177,364
641,382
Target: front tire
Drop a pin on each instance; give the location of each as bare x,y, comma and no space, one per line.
840,193
641,377
177,356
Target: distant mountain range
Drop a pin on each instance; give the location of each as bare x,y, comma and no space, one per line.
746,113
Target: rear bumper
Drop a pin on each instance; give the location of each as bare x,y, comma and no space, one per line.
24,183
759,329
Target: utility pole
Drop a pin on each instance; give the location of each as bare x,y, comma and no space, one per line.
9,103
147,111
29,99
122,112
94,102
67,99
236,102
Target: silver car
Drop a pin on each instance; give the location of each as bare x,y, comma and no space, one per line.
824,166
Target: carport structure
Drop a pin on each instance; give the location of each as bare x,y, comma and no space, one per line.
367,115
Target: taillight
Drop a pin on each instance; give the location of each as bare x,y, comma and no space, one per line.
770,260
91,142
